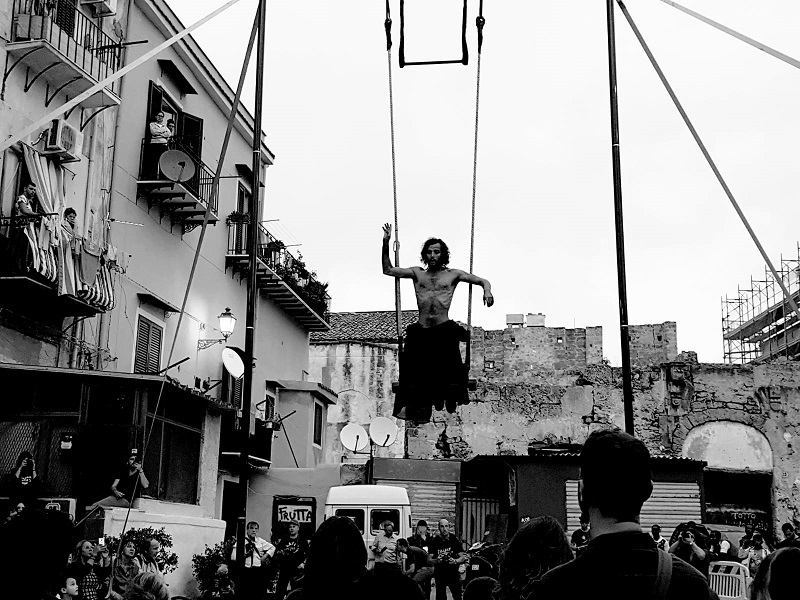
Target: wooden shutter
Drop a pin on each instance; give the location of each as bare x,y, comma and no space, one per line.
148,347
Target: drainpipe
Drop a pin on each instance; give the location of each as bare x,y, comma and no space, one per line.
105,318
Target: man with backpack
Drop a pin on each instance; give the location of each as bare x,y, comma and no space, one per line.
621,561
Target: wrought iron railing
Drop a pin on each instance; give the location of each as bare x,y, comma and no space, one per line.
60,23
201,184
284,264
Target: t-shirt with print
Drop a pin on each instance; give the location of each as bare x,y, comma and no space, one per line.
444,549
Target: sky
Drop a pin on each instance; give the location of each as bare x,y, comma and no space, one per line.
544,234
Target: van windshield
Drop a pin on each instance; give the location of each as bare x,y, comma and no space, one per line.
356,514
378,515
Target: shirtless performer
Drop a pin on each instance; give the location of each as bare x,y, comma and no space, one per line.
431,369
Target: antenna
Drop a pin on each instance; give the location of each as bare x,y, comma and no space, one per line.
233,363
382,431
176,166
354,437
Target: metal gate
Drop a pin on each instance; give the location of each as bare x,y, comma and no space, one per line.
670,504
473,517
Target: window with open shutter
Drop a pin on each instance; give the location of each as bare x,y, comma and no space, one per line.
148,347
232,389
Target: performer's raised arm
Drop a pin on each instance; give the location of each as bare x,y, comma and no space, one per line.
488,299
388,269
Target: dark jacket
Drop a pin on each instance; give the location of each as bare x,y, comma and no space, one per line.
620,566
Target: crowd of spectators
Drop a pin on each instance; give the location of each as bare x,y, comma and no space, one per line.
609,556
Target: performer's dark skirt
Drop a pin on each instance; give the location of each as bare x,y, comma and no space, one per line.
432,373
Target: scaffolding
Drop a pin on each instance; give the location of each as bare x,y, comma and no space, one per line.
757,323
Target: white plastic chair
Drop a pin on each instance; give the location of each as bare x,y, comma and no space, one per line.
728,579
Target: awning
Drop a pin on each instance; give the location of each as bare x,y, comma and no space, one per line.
171,69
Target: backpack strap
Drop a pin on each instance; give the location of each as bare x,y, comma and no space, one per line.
663,575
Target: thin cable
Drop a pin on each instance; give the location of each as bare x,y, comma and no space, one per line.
710,161
397,299
474,191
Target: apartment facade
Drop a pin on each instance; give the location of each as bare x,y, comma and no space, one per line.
88,314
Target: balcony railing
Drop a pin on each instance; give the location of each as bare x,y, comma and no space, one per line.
290,269
200,185
69,31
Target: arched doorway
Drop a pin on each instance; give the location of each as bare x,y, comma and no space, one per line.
738,475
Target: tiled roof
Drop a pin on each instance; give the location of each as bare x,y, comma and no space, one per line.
379,326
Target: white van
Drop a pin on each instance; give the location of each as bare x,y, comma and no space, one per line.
369,506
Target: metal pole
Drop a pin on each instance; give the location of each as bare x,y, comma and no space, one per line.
627,389
252,291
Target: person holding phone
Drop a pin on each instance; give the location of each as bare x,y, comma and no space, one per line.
686,548
128,486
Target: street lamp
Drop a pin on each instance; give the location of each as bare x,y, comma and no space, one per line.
227,323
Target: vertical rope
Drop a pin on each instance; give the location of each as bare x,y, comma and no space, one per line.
474,191
398,316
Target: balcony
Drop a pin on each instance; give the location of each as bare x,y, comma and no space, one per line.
51,285
281,276
183,203
53,41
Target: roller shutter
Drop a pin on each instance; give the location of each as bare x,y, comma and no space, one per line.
670,504
430,500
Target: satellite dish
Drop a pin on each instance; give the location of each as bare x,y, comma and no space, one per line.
354,437
176,166
383,431
233,363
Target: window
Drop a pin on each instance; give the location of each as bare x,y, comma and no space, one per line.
318,424
148,347
356,514
172,460
378,515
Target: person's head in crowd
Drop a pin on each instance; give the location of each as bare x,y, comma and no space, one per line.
336,559
776,578
655,531
84,550
402,546
151,548
615,479
758,540
480,588
584,520
128,550
147,586
69,588
171,124
252,530
388,528
537,547
444,528
788,531
422,527
19,507
748,530
294,529
159,117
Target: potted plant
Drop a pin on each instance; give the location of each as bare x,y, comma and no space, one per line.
237,217
204,566
33,20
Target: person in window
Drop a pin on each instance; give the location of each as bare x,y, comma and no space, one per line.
22,240
22,482
128,486
157,144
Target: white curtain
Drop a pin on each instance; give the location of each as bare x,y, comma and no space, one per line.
49,179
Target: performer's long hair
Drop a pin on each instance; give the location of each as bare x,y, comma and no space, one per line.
445,251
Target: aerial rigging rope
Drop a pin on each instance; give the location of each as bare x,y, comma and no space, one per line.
480,21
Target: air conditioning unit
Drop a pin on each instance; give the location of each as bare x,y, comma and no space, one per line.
102,8
64,141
